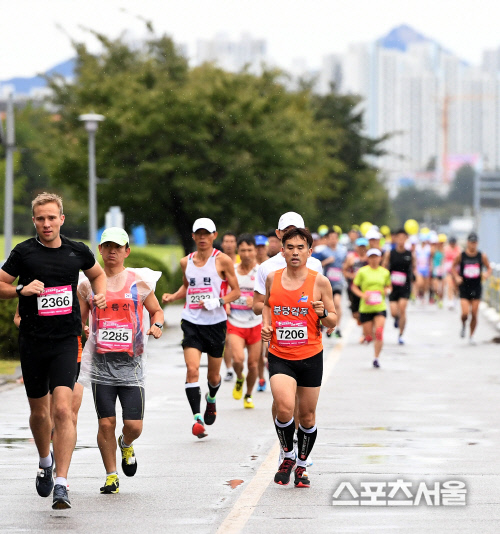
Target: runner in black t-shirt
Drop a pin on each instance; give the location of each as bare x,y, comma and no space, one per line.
469,279
401,263
48,267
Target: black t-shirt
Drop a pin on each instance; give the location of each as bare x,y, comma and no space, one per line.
470,270
56,313
401,262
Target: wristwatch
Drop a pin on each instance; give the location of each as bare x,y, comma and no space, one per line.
221,300
19,288
325,314
159,325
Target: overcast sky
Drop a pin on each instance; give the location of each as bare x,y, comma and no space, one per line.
31,43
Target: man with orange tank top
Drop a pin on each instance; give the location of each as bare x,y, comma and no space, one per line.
297,299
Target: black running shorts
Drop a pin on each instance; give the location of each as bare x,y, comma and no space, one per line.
470,293
47,364
355,302
308,373
399,292
131,399
367,317
206,338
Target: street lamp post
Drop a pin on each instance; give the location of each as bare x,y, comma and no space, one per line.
91,121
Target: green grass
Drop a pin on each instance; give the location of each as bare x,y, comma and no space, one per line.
170,255
7,367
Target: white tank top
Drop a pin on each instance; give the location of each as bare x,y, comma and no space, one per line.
241,315
203,283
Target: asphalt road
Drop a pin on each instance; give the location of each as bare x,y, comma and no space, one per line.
430,414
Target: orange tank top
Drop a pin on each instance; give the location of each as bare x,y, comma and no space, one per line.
296,328
119,327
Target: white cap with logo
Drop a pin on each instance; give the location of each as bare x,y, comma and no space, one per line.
291,219
205,224
374,252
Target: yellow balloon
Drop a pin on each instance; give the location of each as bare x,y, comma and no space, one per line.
411,226
385,230
424,230
364,227
442,238
337,229
322,230
355,227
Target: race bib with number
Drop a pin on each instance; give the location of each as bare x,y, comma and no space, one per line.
334,274
291,333
398,278
241,303
196,296
373,298
113,336
472,270
55,301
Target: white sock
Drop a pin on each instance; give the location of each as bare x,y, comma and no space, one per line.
124,445
230,370
112,473
45,462
62,481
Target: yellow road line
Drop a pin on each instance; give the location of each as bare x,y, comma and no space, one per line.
244,507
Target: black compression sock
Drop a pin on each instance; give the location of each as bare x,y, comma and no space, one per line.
285,433
306,438
212,390
193,394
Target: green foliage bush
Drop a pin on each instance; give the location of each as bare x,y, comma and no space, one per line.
8,331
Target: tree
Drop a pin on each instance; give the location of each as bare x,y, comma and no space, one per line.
353,192
178,144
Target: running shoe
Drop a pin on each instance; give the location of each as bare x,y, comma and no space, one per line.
210,411
238,388
472,340
198,429
129,462
462,332
375,363
248,402
338,333
262,385
112,485
301,478
282,477
229,376
45,480
60,498
396,322
401,341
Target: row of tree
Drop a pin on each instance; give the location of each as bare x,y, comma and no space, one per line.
180,143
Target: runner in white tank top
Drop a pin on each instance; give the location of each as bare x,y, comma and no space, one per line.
207,272
244,327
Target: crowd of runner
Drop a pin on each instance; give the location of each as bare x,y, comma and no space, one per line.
260,303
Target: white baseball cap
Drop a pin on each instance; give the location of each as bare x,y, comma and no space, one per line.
374,252
373,234
291,219
204,223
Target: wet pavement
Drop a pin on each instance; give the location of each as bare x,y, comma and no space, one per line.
429,415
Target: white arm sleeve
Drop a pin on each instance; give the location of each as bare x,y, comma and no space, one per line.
260,279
